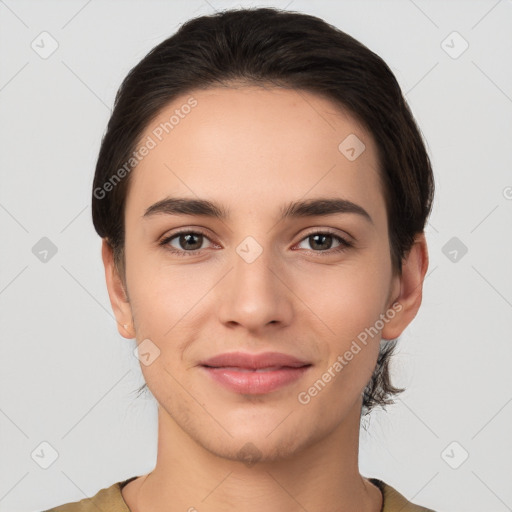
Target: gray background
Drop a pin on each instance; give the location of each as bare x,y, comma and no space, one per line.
68,378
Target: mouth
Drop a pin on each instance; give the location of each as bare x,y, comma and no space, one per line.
254,373
257,370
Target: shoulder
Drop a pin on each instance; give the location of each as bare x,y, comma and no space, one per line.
393,501
109,498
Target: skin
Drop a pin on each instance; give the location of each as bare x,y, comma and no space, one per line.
253,149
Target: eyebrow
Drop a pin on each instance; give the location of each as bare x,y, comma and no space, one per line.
294,209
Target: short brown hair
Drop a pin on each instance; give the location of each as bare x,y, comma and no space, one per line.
261,46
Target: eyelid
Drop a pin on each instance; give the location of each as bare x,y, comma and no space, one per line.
331,231
164,240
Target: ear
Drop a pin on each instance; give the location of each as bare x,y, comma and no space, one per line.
408,289
116,292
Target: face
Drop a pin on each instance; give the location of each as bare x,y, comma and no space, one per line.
307,284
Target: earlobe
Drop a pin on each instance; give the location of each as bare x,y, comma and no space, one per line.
117,294
414,268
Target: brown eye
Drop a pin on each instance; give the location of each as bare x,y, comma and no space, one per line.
185,243
322,242
190,241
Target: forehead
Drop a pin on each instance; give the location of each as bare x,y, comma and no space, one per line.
267,143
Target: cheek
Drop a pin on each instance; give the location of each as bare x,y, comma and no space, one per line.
346,299
162,294
347,304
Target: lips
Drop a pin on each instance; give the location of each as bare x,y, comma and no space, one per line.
265,360
254,373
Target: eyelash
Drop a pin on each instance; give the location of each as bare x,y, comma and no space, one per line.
344,244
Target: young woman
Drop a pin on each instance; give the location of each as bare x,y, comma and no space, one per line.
262,192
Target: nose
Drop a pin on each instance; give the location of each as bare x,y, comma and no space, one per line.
254,294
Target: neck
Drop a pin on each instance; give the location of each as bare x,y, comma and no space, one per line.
323,475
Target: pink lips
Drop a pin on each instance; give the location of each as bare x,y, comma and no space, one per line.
254,373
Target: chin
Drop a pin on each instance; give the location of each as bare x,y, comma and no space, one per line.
260,445
254,451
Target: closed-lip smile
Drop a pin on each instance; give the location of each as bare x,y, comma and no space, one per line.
248,373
